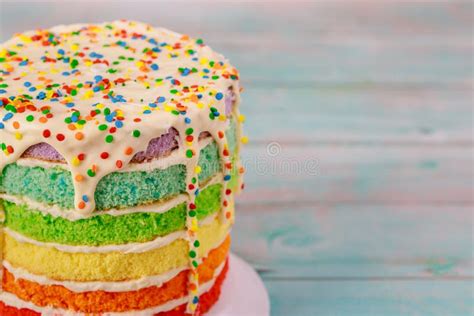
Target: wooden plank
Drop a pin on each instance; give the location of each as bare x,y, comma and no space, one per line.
305,298
350,242
274,54
233,20
281,173
361,114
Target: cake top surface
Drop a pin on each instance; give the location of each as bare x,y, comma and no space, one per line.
99,93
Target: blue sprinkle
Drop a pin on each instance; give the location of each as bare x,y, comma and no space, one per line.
152,41
154,67
74,118
156,50
70,104
109,118
187,120
118,124
61,51
85,198
97,78
196,300
2,126
219,96
227,177
7,116
152,105
161,99
95,55
65,73
3,91
23,63
146,112
32,89
41,95
27,84
96,89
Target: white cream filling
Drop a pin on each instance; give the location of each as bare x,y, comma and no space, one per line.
125,248
71,215
12,300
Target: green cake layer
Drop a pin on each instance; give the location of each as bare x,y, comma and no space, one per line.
108,229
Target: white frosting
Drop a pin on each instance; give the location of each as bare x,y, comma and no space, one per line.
12,300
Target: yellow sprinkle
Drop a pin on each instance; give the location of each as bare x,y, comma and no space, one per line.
88,63
75,161
245,140
204,61
88,94
198,170
74,47
241,118
200,105
25,38
18,135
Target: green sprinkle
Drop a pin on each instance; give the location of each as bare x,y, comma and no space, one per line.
102,127
189,153
74,63
189,131
192,254
90,173
109,139
136,133
30,118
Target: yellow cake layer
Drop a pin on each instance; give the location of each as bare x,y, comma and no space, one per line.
113,266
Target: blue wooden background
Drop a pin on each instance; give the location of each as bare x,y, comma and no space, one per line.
360,175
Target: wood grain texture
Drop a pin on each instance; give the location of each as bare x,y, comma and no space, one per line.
360,178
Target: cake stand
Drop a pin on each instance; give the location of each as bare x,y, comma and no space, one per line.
243,292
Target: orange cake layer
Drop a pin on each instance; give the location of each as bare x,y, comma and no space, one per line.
100,301
206,301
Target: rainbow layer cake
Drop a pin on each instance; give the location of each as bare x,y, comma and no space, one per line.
119,163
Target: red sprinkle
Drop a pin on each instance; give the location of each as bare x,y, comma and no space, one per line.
104,155
46,133
60,137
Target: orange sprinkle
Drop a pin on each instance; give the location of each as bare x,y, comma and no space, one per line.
79,178
81,205
16,125
43,119
79,136
128,151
